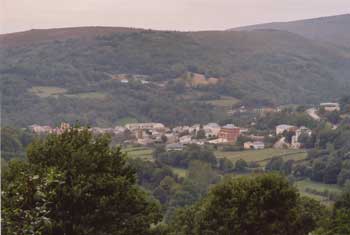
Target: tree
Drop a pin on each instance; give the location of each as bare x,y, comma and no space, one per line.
333,117
264,204
343,176
225,165
288,136
78,185
307,141
202,175
287,167
275,164
318,170
241,165
332,171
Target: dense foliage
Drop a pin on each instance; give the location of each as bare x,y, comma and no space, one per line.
330,160
182,159
74,183
264,204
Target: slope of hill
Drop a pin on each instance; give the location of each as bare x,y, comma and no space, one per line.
37,36
74,74
332,29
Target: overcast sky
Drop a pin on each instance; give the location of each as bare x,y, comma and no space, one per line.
19,15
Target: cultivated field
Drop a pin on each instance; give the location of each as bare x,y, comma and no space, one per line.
318,190
47,91
262,156
139,152
52,91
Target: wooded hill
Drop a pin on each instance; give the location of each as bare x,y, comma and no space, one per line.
76,73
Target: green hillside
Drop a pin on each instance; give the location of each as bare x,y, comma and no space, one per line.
78,74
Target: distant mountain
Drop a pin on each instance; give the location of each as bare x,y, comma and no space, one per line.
37,36
332,29
80,74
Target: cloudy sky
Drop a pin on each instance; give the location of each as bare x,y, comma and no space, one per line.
19,15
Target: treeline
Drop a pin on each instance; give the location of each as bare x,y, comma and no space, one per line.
75,183
182,159
286,116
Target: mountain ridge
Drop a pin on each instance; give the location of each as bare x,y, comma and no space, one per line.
330,29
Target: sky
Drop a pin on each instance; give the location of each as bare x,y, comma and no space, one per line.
184,15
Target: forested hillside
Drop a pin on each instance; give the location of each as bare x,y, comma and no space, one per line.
332,29
106,76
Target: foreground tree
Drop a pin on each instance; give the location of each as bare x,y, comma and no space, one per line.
74,184
265,204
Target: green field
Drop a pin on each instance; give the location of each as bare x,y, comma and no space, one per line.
262,156
47,91
296,156
224,102
139,152
52,91
89,95
304,185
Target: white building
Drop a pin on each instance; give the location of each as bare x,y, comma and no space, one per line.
254,145
243,130
330,107
119,130
211,130
145,126
282,128
144,82
218,141
187,139
181,129
40,129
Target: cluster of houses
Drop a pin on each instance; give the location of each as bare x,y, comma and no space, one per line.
178,137
38,129
261,110
152,133
48,129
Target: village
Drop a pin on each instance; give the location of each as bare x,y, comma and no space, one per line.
176,138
